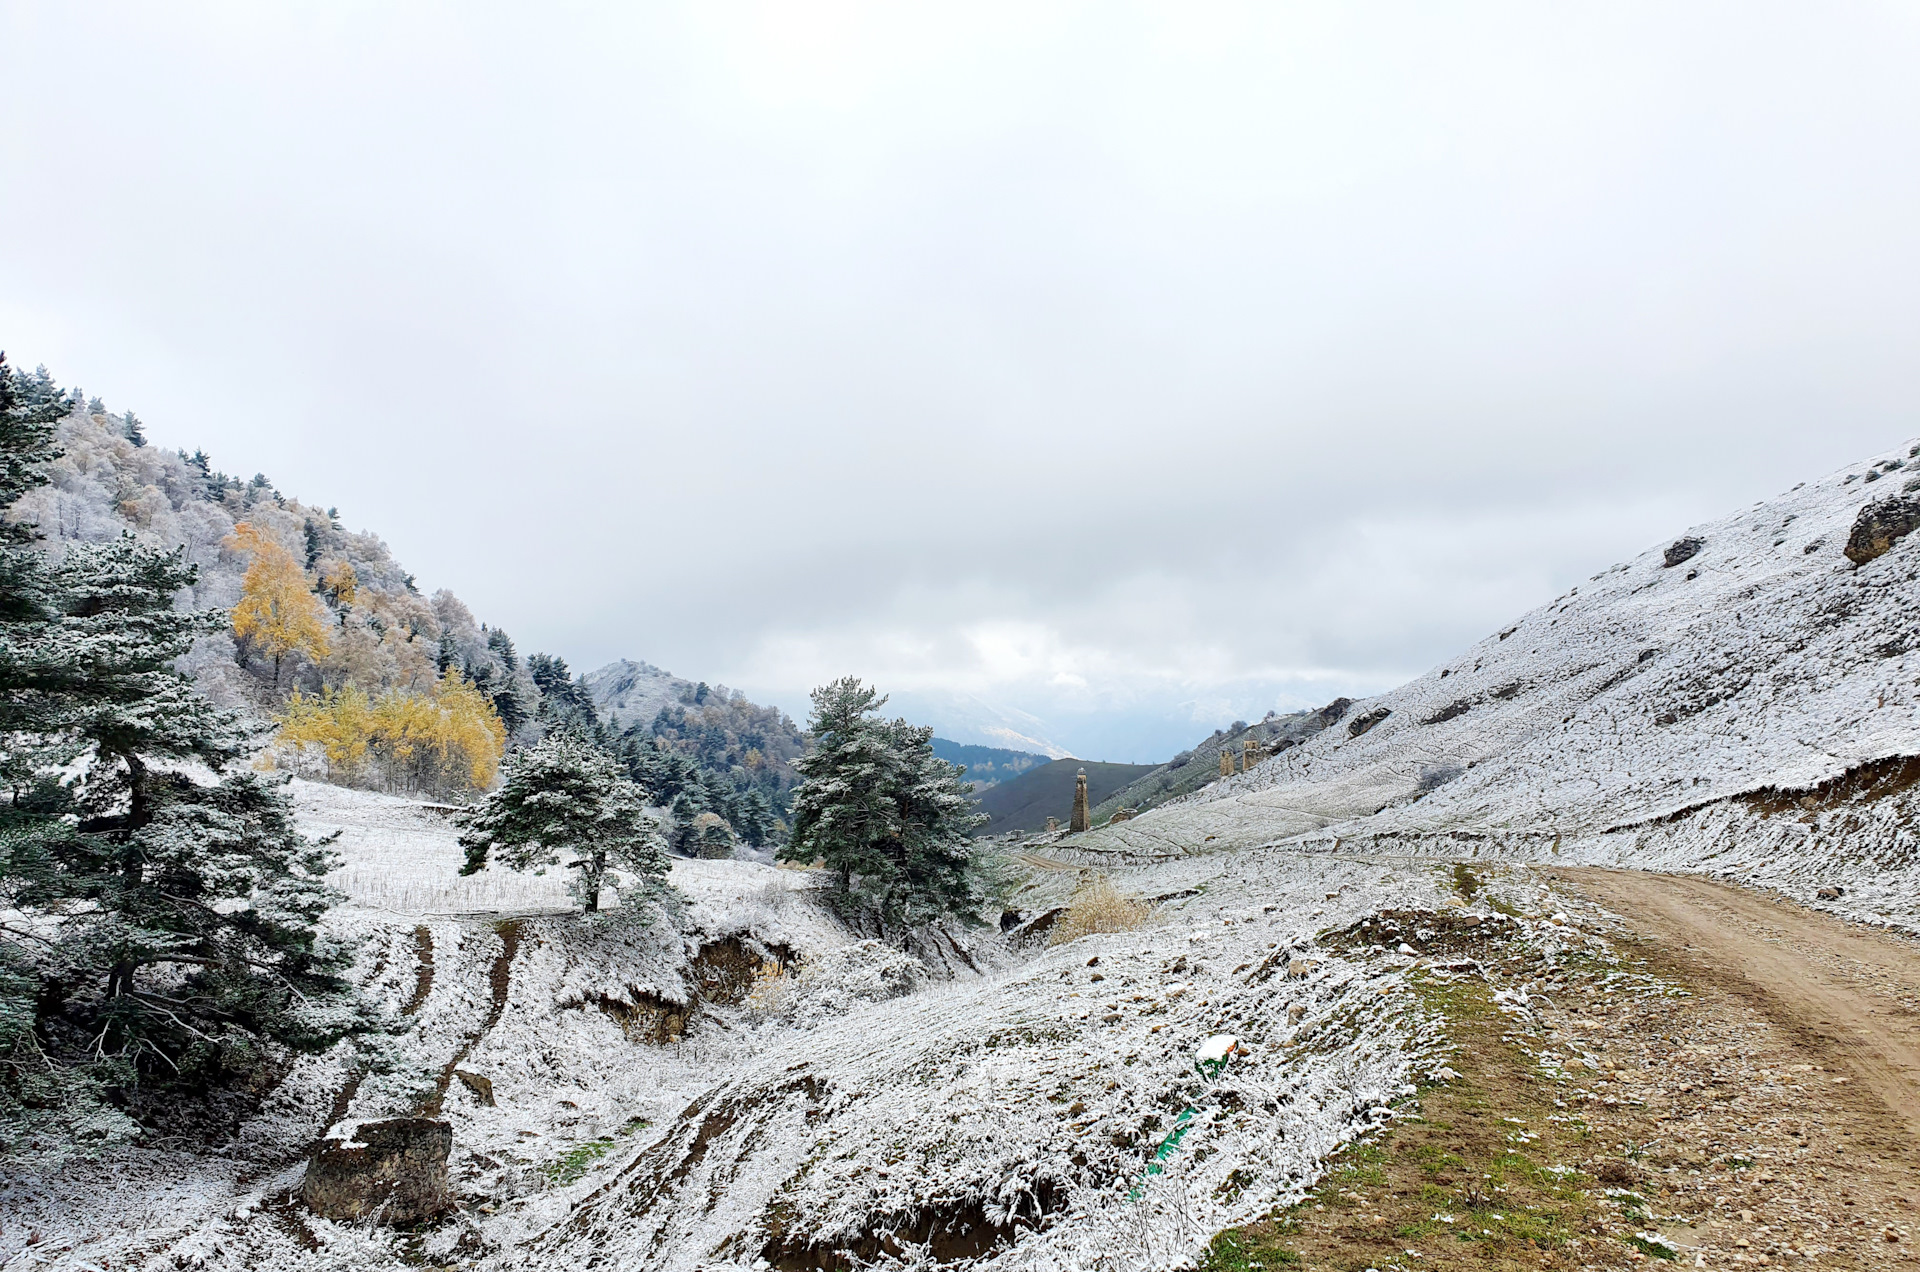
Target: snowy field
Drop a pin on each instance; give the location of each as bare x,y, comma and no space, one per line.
868,1092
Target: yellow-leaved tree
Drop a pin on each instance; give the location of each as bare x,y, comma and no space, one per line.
444,742
278,614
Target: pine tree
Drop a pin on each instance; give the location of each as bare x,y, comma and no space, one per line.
883,813
133,430
166,929
203,469
313,547
755,822
567,797
27,614
565,703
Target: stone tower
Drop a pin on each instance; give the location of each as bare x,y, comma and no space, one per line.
1079,822
1226,762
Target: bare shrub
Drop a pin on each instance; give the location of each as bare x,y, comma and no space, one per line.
1098,906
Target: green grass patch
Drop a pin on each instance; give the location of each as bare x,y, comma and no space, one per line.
576,1162
1238,1252
1465,882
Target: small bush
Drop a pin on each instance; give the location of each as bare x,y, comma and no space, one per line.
1099,907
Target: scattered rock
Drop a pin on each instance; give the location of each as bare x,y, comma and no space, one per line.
1830,893
1879,525
1361,724
392,1172
479,1084
1682,550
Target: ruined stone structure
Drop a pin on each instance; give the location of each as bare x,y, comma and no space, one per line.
1226,762
1079,822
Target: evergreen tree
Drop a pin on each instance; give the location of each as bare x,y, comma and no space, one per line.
133,430
203,469
755,822
890,819
313,548
164,931
502,646
565,703
565,796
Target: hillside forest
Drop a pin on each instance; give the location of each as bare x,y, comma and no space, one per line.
353,673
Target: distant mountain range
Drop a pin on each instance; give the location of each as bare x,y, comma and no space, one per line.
988,765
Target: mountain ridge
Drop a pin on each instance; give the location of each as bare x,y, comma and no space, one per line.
1750,654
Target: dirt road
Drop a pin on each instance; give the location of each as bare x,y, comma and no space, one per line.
1848,993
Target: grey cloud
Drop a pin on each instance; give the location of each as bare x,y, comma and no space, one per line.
1240,355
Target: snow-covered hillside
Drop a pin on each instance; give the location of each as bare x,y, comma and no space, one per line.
1668,711
738,1079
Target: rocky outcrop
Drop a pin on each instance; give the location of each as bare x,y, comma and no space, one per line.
1683,550
1361,724
392,1172
1880,525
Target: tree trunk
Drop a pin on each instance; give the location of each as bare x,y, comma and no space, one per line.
594,872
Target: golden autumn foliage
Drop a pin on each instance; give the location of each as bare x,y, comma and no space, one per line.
443,742
277,614
342,584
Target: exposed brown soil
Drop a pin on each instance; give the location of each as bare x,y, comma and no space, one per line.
1752,1104
423,972
1850,994
500,981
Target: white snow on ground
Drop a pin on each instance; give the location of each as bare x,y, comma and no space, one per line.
1751,720
1625,722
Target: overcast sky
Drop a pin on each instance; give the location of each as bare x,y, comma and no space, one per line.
1094,371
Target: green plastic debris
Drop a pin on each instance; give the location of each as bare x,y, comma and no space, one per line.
1208,1061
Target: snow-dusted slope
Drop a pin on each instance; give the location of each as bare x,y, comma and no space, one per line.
632,692
1766,660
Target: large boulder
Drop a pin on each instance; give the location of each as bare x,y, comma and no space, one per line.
392,1172
1880,524
1683,550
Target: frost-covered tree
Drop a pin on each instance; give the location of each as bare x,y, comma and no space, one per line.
160,931
565,797
565,703
891,820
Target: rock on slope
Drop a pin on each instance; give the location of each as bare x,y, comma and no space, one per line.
1745,696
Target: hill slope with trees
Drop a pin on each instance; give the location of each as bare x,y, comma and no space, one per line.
988,765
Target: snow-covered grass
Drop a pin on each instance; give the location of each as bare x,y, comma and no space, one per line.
1607,723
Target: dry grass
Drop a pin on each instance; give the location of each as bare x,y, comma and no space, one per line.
1098,906
772,993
